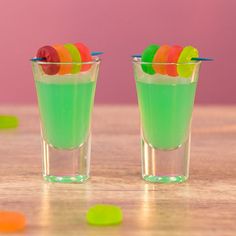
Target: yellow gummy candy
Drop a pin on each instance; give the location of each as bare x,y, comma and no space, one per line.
7,122
186,69
103,214
75,55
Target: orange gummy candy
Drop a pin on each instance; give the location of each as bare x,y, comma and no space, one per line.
11,221
161,57
64,56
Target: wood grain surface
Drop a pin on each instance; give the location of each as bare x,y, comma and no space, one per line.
204,205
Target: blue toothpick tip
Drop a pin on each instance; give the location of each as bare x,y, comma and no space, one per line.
202,59
96,53
37,59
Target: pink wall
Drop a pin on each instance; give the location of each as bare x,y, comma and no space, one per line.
119,28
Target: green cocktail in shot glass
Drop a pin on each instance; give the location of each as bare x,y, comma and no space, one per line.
65,103
165,105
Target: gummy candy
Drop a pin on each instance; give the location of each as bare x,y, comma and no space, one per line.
147,56
186,70
85,55
103,214
75,57
161,56
173,57
50,55
7,121
11,221
64,56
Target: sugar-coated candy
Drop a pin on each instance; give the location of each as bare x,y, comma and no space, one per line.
50,55
103,214
161,57
186,70
11,221
64,56
147,56
75,55
173,57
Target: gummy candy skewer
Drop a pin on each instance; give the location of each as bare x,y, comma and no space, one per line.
193,59
42,58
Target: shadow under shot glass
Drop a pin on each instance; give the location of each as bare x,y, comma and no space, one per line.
65,104
165,106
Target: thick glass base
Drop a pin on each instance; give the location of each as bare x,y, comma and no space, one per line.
165,166
66,165
66,179
164,179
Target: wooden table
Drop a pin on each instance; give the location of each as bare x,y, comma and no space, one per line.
204,205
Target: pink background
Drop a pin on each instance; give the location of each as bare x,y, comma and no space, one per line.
119,28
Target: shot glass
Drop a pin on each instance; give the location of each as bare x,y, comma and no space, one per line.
65,105
165,107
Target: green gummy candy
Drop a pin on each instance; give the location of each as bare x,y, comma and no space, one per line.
147,56
7,122
186,70
75,55
102,214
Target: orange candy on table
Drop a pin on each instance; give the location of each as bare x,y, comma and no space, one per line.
161,56
11,221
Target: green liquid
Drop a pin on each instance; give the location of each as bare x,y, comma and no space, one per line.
65,109
166,110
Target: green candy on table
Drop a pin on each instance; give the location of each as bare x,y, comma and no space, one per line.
104,215
7,122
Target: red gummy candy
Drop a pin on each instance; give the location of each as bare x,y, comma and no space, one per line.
173,57
50,55
85,56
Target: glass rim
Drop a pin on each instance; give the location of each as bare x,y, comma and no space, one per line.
137,60
95,60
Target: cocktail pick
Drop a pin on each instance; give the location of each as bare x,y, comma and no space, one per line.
42,58
193,59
